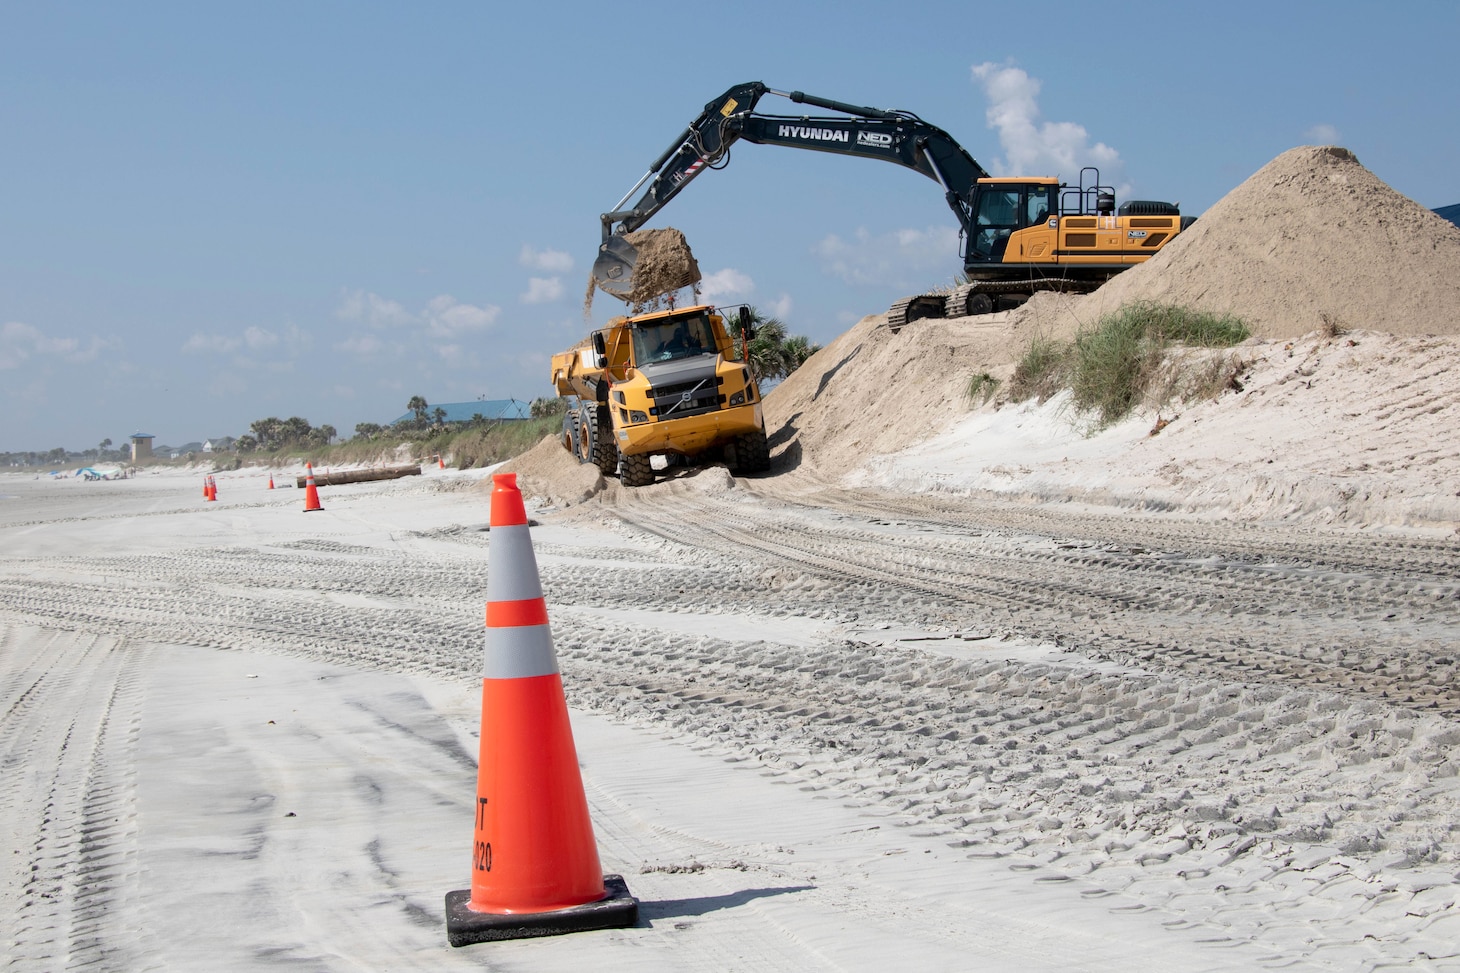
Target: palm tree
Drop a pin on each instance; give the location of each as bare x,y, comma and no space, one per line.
418,405
296,430
269,432
796,350
773,355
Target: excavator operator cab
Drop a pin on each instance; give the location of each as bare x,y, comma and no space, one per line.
1002,206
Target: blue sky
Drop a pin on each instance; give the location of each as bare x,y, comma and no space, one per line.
210,215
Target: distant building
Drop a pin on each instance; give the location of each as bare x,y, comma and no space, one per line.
141,446
492,410
1451,213
221,442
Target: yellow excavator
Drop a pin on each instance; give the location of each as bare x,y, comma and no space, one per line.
1019,235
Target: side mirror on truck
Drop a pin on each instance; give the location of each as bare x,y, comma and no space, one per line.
600,350
746,328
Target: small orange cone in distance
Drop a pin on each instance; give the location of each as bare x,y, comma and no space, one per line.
311,492
535,868
271,481
440,463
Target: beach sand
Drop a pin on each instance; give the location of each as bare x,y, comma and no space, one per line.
238,737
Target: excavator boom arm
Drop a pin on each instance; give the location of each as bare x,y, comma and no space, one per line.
872,133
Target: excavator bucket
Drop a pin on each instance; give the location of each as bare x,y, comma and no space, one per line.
644,265
613,271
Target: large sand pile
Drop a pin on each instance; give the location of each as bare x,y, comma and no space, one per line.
871,392
549,471
1312,233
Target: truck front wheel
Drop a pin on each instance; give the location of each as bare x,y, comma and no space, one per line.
749,453
635,471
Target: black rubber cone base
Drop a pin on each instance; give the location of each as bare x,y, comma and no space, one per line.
615,910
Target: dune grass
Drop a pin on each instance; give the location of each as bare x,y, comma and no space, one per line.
981,388
1113,367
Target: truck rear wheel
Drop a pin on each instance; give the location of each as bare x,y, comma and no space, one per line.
595,439
749,453
570,432
584,434
635,471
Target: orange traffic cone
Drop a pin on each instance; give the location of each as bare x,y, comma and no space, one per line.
213,486
271,481
535,869
440,463
207,493
311,492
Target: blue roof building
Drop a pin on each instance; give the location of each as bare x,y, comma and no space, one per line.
493,410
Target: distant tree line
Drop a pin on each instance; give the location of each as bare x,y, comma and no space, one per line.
271,434
60,456
425,419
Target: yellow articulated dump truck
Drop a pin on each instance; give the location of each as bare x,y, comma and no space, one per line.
662,384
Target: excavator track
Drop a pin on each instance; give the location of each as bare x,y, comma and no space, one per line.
914,308
979,297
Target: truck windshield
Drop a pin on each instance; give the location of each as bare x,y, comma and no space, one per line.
675,338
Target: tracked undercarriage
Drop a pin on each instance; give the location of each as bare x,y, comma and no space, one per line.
979,297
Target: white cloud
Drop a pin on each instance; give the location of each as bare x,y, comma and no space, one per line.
726,285
442,317
254,339
361,307
1032,146
361,344
211,344
780,307
552,261
258,338
446,317
1322,135
543,290
19,342
906,258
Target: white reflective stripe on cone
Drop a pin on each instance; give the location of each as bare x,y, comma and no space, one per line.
519,652
511,565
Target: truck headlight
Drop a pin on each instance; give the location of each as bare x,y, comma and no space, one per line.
636,416
738,398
